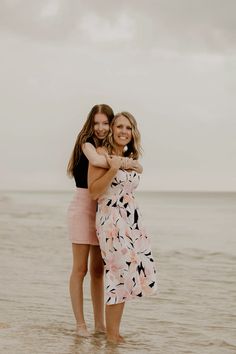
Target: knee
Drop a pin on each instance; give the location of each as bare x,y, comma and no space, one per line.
79,273
97,272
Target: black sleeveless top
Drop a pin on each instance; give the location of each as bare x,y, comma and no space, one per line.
80,171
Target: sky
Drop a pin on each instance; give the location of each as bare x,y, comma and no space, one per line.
172,64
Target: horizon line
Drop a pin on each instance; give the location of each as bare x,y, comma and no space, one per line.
137,191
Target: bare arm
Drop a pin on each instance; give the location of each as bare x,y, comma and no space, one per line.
94,158
99,160
99,178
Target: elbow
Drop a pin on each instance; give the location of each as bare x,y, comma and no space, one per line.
94,196
92,193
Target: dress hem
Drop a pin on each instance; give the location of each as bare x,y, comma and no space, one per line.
135,297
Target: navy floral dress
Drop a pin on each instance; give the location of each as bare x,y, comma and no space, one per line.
129,266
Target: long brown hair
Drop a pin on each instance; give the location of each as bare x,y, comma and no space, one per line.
87,132
134,148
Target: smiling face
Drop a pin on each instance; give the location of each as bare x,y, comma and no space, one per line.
101,125
122,131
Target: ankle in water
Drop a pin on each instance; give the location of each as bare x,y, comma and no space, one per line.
81,330
100,329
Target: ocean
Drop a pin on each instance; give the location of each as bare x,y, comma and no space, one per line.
194,244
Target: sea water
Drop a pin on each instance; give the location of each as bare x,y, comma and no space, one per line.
194,311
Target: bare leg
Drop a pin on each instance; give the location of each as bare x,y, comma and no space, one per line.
113,319
97,287
79,270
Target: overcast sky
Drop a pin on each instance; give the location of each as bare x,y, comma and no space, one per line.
172,63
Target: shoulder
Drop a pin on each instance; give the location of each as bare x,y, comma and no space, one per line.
89,144
90,140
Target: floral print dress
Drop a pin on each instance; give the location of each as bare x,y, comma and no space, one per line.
129,266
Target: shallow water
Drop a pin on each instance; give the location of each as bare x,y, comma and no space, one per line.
193,240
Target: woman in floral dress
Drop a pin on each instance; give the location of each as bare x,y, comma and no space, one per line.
81,217
129,266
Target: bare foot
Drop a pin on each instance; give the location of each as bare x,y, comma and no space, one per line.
112,340
81,330
100,330
115,339
121,339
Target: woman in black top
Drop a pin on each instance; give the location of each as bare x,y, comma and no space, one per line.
81,216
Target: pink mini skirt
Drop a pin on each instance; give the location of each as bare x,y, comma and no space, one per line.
81,218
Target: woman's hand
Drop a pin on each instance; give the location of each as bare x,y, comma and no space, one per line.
135,166
130,164
114,162
124,163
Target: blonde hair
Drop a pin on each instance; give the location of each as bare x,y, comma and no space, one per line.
134,147
86,132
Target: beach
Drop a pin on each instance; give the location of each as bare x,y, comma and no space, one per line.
194,244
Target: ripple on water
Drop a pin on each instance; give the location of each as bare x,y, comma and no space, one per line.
193,312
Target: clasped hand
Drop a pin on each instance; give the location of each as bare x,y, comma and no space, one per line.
125,163
114,161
